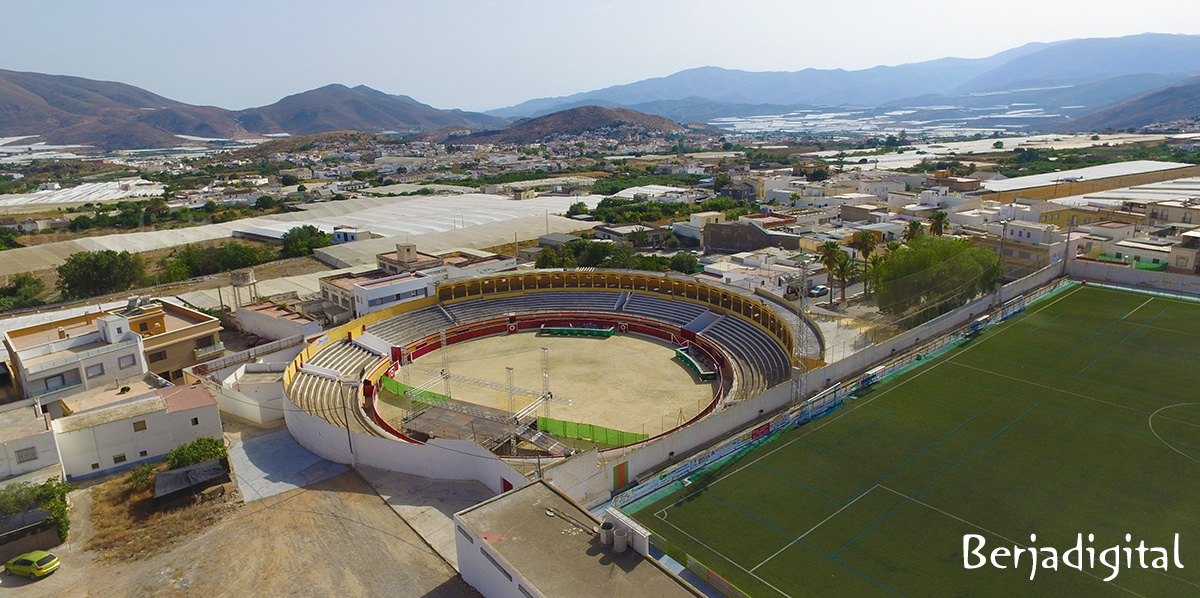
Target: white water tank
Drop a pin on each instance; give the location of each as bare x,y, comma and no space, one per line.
620,540
606,533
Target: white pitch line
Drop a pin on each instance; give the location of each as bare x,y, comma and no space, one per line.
844,507
718,553
979,527
1136,308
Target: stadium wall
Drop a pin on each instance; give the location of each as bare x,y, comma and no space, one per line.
581,479
1123,274
439,458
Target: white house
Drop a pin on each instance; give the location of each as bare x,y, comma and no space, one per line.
27,444
121,435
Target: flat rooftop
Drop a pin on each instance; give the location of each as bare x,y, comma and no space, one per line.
270,309
112,413
22,422
549,540
73,327
108,395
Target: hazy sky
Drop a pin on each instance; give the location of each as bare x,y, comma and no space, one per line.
480,54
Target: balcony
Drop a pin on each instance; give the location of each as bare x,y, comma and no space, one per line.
210,352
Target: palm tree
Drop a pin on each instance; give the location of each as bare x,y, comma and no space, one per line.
912,231
866,242
892,247
844,269
939,223
639,237
827,254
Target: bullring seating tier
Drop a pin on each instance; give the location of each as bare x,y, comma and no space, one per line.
757,361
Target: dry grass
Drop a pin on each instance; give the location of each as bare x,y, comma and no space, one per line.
128,525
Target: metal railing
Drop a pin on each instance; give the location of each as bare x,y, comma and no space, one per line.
41,367
202,352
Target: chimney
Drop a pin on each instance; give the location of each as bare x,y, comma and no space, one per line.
62,333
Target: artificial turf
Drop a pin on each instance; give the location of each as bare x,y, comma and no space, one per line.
1078,416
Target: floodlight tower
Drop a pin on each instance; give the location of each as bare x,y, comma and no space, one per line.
445,361
512,402
546,378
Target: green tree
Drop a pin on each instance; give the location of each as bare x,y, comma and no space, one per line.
548,258
934,275
302,240
624,258
721,181
288,180
577,208
265,202
870,269
865,241
998,145
912,231
684,262
92,273
21,291
939,223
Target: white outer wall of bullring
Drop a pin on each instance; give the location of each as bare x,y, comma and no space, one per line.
589,485
439,459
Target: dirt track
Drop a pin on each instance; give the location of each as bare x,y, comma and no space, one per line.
335,538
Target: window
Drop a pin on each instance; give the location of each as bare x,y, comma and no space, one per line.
177,374
465,534
143,327
495,564
195,421
118,458
206,341
94,370
1181,262
26,455
120,331
139,426
126,361
55,382
143,453
1164,215
95,466
158,356
1187,218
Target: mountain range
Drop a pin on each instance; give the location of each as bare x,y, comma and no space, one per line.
114,115
1106,82
1092,73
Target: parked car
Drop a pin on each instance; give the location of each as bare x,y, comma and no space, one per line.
33,565
818,291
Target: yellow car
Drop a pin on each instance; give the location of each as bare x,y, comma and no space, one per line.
33,565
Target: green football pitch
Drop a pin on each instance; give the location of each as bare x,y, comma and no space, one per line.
1079,416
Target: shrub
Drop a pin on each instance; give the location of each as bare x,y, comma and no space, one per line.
141,475
202,449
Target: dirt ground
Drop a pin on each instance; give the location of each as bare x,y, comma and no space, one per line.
629,383
337,537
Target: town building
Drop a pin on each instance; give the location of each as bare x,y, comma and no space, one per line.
557,551
141,429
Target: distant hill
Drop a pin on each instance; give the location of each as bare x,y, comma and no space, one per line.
575,121
305,142
1089,72
1175,102
113,115
339,108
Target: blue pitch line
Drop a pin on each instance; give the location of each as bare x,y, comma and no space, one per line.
764,522
1109,350
801,484
934,480
814,447
910,459
1046,322
1084,342
856,571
